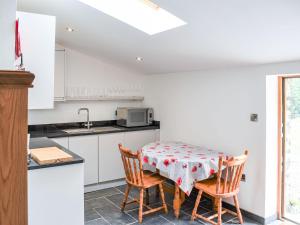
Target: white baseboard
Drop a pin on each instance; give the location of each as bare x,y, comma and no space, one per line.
104,185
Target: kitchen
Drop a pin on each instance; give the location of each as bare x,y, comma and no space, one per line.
110,94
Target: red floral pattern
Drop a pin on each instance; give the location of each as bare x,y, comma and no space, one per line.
166,162
194,169
146,159
179,181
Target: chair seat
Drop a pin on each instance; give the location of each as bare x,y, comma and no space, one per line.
153,179
209,186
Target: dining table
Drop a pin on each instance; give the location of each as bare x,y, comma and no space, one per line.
183,163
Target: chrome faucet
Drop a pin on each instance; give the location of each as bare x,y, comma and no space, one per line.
87,124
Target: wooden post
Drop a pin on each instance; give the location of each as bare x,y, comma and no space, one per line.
13,146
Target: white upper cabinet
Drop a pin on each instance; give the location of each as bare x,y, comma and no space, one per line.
37,33
110,162
59,75
137,139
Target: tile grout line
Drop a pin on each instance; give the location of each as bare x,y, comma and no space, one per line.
231,219
109,195
166,219
102,216
120,209
121,192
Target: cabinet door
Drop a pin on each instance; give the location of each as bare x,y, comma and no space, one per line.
110,163
59,76
38,48
62,141
87,148
137,139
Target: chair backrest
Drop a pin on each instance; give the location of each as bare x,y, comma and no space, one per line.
132,165
230,173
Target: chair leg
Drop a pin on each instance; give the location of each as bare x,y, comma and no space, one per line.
162,195
157,191
147,196
196,205
141,205
219,211
236,202
128,187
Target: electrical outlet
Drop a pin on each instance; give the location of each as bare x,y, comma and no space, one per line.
243,177
254,117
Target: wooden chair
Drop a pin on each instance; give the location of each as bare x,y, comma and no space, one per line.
135,177
225,185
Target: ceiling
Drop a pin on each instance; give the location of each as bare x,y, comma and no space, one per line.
218,34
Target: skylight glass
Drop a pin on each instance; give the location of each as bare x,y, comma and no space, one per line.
141,14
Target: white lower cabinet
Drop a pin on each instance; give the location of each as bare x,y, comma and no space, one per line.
56,195
137,139
102,159
110,163
87,147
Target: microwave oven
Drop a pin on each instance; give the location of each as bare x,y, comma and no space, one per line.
134,117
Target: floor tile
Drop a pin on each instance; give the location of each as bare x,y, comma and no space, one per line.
100,193
154,220
247,221
182,220
134,192
110,212
118,199
97,222
103,207
90,214
135,213
150,218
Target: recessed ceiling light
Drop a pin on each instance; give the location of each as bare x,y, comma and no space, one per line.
139,59
69,29
141,14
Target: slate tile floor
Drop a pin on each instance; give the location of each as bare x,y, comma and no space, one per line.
103,208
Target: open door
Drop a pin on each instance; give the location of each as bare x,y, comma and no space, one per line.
290,202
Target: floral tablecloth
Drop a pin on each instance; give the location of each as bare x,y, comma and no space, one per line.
182,163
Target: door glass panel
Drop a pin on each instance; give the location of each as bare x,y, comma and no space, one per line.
292,150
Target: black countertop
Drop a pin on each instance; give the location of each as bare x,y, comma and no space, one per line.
56,130
45,142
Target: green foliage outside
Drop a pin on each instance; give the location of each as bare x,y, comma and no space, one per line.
293,97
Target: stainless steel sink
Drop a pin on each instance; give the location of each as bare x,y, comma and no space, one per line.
91,130
104,129
78,131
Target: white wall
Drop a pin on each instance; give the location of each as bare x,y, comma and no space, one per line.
7,33
86,71
213,108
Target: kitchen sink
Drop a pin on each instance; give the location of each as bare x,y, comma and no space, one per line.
78,131
91,130
104,129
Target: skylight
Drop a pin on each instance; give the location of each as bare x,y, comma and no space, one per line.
141,14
